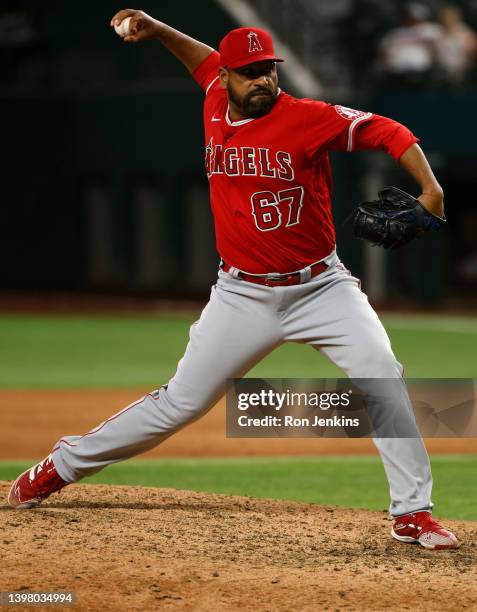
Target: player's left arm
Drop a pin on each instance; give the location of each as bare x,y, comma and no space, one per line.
432,195
339,128
398,141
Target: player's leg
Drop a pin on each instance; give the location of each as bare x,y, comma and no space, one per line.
335,317
235,330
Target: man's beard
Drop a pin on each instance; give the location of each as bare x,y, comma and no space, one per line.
252,105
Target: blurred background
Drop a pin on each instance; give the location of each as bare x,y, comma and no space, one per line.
103,190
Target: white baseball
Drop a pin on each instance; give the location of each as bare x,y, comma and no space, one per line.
123,28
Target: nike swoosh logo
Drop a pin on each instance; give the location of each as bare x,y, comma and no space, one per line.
214,118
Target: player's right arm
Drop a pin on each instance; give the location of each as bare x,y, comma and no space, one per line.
192,53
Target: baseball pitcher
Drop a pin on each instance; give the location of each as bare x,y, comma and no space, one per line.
280,278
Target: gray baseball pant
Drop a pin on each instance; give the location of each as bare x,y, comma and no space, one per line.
241,324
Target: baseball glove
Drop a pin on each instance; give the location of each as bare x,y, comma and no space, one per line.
393,220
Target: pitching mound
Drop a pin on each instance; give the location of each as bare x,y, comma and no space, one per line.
141,548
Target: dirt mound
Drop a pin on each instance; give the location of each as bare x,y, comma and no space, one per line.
141,548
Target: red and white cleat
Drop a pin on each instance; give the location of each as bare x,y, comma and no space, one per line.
421,527
35,485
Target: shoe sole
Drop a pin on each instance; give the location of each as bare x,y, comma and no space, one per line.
410,540
405,539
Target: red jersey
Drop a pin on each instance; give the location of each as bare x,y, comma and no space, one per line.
270,178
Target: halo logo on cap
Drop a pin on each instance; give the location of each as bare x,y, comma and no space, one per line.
246,45
254,42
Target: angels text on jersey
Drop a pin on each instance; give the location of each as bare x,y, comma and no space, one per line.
248,161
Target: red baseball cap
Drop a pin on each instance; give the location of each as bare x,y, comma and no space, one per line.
245,46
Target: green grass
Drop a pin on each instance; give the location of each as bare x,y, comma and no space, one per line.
352,481
90,352
142,351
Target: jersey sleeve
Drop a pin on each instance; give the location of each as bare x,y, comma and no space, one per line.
339,128
207,73
382,133
332,127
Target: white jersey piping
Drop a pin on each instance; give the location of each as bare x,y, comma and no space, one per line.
352,128
210,85
235,123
